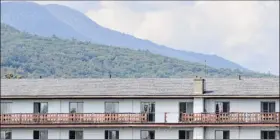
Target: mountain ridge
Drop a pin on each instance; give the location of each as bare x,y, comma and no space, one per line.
85,29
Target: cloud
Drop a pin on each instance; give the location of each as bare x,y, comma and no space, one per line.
246,32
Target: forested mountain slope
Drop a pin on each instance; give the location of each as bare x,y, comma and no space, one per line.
33,56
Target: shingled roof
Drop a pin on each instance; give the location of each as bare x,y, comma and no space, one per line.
136,87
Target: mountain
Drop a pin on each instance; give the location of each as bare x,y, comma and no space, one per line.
64,22
36,19
32,56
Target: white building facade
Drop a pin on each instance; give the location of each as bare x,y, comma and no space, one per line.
140,109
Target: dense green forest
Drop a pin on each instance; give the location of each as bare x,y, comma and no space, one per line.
32,56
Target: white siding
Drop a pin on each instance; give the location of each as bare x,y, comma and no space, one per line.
134,133
240,105
240,132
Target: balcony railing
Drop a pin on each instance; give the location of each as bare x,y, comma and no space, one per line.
118,118
65,118
231,117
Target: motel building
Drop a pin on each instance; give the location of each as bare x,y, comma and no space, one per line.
144,108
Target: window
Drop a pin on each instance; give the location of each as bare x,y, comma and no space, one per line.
40,134
147,134
111,107
76,107
6,135
111,134
40,107
75,135
185,107
222,107
220,134
268,107
149,109
6,107
185,134
268,135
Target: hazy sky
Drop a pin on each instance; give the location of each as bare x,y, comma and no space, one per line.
246,32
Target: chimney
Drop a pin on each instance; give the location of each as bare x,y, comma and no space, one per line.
199,85
239,77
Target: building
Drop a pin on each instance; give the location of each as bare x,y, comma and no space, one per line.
246,108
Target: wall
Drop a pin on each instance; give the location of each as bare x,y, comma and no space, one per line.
241,132
170,106
240,105
134,133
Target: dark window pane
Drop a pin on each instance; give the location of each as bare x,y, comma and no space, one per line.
271,134
182,134
272,107
37,108
106,134
264,107
226,135
189,107
117,134
153,109
152,134
8,135
72,135
183,107
225,107
36,134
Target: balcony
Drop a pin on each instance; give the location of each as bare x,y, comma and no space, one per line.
139,119
231,118
78,118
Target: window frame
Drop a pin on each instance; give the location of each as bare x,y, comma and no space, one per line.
47,133
268,133
77,104
10,107
148,132
268,107
185,132
111,102
223,134
41,107
75,131
5,131
110,130
217,102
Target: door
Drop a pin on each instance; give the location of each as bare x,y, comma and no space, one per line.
40,134
40,110
186,134
186,111
268,135
75,135
76,110
149,109
111,134
111,111
222,110
268,111
222,134
145,134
